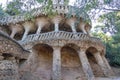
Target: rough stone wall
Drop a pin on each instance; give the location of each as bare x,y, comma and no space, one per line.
38,65
8,70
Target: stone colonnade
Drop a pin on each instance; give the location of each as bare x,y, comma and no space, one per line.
101,61
58,23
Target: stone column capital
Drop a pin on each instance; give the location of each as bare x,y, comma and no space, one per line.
98,52
83,49
56,47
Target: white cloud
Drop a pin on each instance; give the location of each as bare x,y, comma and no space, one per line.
4,2
71,2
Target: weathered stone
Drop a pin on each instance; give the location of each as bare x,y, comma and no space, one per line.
14,47
56,64
1,58
8,70
45,62
85,65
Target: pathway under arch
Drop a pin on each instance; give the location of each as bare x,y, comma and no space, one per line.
42,61
71,65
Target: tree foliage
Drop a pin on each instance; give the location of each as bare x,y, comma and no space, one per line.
14,7
2,12
111,25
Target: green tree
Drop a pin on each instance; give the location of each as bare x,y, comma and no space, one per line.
2,12
112,25
14,7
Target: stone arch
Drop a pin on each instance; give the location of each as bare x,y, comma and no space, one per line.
73,46
9,56
41,59
65,27
43,46
93,62
71,65
47,28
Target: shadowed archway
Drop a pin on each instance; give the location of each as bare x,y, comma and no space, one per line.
71,65
42,58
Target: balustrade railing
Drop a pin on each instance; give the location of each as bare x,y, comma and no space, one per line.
58,35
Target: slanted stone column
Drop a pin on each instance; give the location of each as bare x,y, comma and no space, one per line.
85,65
13,33
82,25
56,63
102,63
106,62
72,22
56,20
28,26
57,27
108,68
15,28
41,22
39,29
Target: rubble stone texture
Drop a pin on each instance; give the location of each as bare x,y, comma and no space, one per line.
8,70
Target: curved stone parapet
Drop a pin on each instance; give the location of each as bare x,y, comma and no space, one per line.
61,38
60,35
64,9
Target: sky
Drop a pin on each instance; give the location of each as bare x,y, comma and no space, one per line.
3,2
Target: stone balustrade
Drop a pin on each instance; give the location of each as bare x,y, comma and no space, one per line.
58,35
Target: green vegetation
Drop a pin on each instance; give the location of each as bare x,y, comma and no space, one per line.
2,12
14,7
111,25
